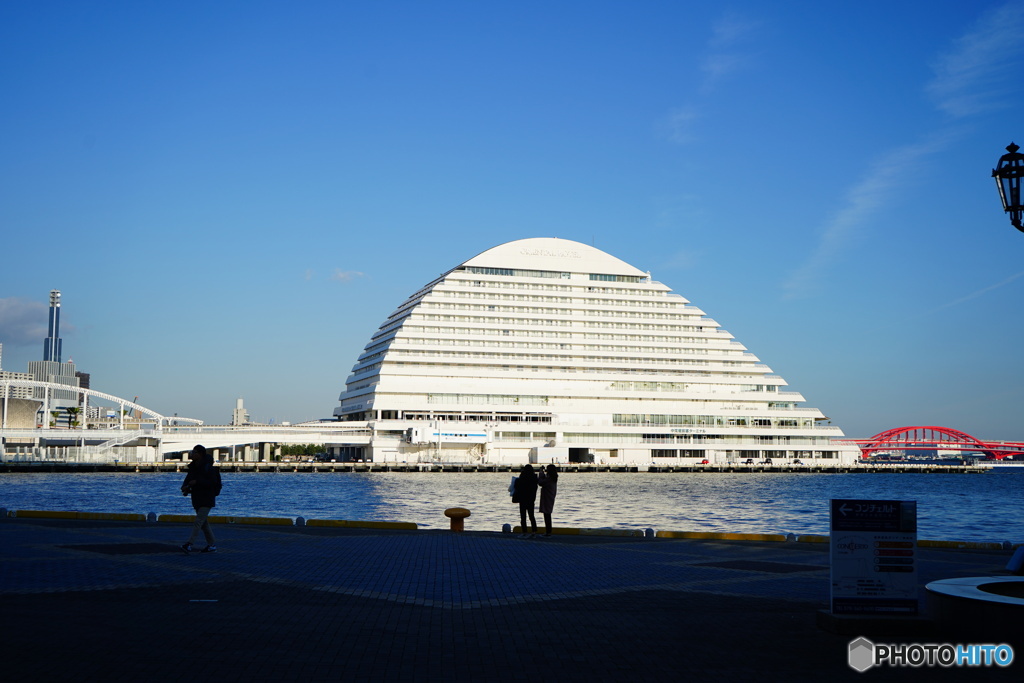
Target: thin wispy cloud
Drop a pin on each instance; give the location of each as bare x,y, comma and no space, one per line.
680,260
677,209
862,201
337,275
680,124
986,61
345,275
975,295
725,55
22,322
716,67
731,29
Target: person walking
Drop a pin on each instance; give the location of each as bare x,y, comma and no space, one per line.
203,483
526,495
548,483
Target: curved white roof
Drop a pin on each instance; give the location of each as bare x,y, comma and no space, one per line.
552,253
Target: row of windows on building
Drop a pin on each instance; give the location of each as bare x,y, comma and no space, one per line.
745,454
554,346
706,327
360,374
433,416
708,387
644,420
457,333
520,272
399,353
716,440
792,445
439,295
683,314
600,392
453,282
444,285
690,425
625,420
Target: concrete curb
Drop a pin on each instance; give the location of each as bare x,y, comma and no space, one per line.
409,526
961,545
59,514
572,531
721,536
354,524
222,519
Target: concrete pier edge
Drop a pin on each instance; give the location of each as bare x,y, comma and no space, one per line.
409,526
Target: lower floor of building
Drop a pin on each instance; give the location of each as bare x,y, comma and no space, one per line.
399,451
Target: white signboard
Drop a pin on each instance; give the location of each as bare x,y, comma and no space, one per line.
873,553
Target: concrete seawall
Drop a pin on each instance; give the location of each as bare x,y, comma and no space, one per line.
151,517
178,466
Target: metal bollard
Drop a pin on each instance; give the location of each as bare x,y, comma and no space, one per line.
457,515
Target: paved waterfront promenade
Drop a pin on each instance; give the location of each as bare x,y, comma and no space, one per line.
116,601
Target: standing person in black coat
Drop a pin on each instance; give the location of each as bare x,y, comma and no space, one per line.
548,482
526,495
203,483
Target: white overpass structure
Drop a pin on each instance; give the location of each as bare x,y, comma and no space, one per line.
178,439
141,434
248,443
51,388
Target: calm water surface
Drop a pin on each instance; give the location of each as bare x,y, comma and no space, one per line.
968,507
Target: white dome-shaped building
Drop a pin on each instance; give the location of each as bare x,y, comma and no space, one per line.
547,349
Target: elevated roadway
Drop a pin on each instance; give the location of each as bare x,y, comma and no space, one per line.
138,426
178,439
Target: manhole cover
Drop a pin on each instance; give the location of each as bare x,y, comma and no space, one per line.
125,548
762,566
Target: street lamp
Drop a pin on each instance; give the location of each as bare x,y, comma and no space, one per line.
1008,174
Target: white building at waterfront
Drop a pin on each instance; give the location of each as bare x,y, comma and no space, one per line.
548,349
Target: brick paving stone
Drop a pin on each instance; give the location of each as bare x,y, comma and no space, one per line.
92,601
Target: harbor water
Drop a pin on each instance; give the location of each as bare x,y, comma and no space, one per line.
954,507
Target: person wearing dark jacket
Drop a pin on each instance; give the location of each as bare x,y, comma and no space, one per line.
548,482
526,495
203,483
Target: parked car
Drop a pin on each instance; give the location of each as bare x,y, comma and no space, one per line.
748,461
766,461
705,461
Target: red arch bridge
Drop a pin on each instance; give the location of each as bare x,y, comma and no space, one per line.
931,439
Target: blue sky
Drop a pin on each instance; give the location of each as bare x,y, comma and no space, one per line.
232,196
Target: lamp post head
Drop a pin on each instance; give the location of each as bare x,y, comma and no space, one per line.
1008,175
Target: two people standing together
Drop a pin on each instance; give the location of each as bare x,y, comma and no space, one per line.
525,493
